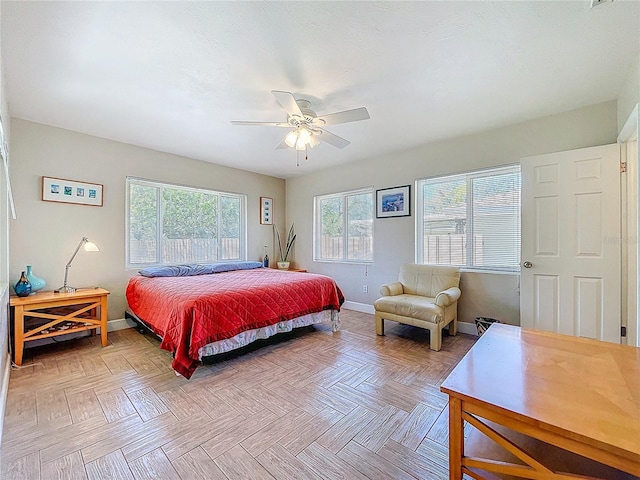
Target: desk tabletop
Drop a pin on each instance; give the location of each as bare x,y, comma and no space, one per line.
576,387
49,296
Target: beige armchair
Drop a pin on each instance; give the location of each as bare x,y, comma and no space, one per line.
424,296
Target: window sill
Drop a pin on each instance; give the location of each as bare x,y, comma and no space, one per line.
344,262
491,272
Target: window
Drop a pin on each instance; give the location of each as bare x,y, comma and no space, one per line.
343,224
171,224
471,219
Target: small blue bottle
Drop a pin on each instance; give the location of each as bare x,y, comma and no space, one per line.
22,286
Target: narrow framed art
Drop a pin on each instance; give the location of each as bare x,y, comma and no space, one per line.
72,191
393,202
266,211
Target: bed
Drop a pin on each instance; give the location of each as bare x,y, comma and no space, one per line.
203,310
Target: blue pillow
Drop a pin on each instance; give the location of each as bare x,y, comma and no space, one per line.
196,269
227,267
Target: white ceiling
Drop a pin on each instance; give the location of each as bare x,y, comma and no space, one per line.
172,75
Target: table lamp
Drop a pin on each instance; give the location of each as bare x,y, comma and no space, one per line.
89,247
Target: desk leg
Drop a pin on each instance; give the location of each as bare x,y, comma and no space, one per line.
456,438
103,320
18,333
94,313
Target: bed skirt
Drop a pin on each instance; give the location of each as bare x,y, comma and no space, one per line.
245,338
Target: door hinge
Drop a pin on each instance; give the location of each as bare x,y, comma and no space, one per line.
623,331
623,167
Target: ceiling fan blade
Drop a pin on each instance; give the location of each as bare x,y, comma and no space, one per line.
261,124
288,102
346,116
333,139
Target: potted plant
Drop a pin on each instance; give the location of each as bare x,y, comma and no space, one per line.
284,263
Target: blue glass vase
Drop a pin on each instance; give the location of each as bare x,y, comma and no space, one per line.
22,286
37,283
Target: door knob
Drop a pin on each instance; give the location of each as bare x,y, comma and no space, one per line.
527,264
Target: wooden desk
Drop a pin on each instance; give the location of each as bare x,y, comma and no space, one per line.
86,309
577,394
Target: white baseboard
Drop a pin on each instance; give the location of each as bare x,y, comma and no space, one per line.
119,324
468,328
4,390
112,326
463,327
359,307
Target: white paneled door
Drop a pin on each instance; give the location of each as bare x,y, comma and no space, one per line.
570,268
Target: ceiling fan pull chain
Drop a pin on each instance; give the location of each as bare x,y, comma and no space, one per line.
297,158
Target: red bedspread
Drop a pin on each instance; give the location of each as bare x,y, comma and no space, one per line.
190,312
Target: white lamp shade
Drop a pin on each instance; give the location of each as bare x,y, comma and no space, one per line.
313,141
291,138
301,138
304,136
90,247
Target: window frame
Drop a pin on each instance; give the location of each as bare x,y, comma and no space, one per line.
468,176
243,247
317,226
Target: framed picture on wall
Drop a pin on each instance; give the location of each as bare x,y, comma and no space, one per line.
266,211
393,202
72,191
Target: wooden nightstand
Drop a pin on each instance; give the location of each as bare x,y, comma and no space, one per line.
48,314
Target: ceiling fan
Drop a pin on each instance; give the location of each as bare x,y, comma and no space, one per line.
307,128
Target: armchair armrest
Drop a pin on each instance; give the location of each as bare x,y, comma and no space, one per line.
391,289
448,296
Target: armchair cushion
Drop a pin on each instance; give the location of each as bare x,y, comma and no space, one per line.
414,306
428,280
391,289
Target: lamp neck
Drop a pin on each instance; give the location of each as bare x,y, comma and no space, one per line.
66,275
82,242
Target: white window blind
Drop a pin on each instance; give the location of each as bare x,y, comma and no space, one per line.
343,227
172,224
470,219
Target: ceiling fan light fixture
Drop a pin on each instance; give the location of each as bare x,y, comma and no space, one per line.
291,139
313,141
304,125
304,135
301,144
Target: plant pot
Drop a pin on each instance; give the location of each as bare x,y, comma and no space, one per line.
284,265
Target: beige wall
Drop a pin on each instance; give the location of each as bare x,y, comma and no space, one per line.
4,231
493,295
46,233
629,95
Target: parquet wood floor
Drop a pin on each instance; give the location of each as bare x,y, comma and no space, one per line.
318,405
